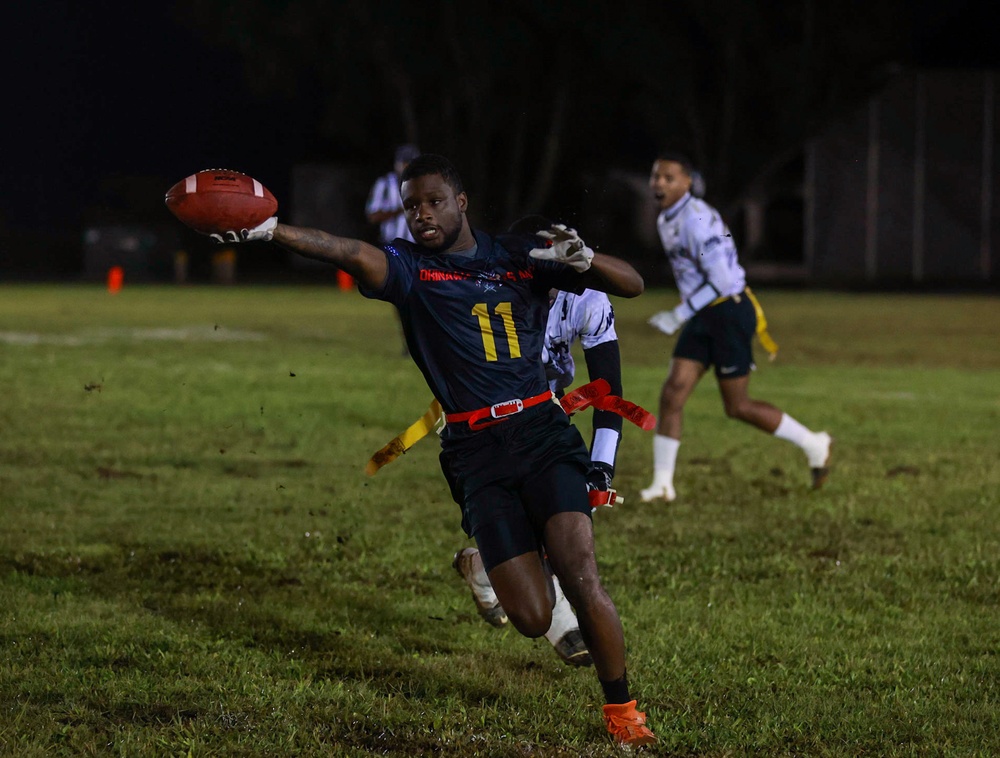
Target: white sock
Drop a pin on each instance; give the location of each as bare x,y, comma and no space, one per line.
664,457
791,430
563,617
481,582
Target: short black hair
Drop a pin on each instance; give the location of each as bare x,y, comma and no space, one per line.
676,157
530,224
430,163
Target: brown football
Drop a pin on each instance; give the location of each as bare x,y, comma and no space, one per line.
215,201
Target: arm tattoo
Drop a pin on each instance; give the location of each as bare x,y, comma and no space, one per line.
364,262
313,243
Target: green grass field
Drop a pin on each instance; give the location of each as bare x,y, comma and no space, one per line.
193,562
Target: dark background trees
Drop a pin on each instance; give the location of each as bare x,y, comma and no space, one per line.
535,101
522,94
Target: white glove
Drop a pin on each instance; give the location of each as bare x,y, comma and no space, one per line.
667,322
263,233
567,248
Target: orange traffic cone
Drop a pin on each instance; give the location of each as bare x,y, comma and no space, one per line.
344,280
116,277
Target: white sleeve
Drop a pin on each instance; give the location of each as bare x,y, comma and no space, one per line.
594,319
604,448
377,198
712,246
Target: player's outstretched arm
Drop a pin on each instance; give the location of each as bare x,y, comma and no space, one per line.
366,263
613,276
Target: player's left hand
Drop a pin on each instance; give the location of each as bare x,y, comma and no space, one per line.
567,248
667,322
554,373
262,232
599,476
599,489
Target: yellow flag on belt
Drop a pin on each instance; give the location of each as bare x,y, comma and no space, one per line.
765,339
403,442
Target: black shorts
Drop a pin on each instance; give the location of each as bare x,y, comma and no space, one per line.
721,336
509,479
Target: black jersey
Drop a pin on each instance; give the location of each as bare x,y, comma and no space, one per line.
475,324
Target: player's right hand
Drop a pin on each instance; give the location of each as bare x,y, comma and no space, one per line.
262,232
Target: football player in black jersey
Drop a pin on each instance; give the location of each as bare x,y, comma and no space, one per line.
473,308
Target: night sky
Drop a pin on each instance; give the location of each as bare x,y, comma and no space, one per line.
98,91
113,89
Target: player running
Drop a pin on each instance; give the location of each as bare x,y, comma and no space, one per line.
473,309
719,315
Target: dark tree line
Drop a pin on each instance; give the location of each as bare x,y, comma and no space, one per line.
523,95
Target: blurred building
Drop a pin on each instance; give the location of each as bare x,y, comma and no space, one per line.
904,191
901,192
332,197
145,253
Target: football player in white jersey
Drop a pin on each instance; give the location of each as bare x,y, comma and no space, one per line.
717,318
589,318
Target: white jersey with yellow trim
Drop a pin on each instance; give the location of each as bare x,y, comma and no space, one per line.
588,317
700,249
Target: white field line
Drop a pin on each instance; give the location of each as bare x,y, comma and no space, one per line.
901,395
98,336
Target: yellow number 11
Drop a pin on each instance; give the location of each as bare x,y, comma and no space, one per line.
481,312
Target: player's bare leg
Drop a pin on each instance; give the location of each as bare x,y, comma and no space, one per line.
681,380
523,588
569,540
739,405
522,585
564,631
469,565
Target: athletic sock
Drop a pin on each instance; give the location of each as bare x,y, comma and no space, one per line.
481,585
616,691
563,618
791,430
664,457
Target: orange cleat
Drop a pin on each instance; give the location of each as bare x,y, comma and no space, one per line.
626,725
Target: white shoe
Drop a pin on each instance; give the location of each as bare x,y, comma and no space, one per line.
818,453
658,490
482,591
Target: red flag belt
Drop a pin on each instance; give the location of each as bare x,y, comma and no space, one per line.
597,395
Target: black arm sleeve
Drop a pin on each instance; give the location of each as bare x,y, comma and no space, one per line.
604,362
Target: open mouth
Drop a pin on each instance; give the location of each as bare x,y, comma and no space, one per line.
427,233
